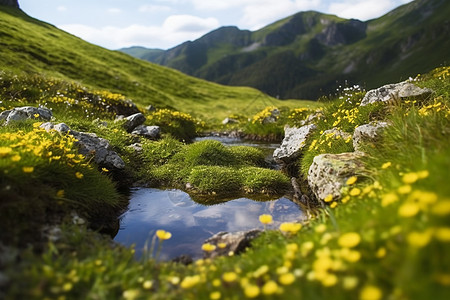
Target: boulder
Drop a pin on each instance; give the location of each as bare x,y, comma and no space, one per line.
367,133
25,113
393,92
133,121
233,242
91,145
293,143
329,172
150,132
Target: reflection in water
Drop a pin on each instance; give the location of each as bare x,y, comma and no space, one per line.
191,223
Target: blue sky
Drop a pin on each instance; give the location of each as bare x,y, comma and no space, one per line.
166,23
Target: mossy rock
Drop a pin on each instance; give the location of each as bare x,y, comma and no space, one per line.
248,155
207,153
260,180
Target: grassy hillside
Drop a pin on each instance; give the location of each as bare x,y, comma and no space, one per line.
31,46
310,54
386,238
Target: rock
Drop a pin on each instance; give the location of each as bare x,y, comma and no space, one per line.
329,172
151,108
134,121
229,121
234,242
91,145
183,259
367,133
150,132
25,113
294,141
393,92
312,118
137,147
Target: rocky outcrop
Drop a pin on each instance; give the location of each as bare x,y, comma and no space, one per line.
367,134
343,33
392,93
13,3
329,173
150,132
133,121
226,242
25,113
91,146
293,143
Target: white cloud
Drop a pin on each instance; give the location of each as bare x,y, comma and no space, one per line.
175,30
151,8
361,9
61,8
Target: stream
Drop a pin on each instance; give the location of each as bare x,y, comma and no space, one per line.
191,223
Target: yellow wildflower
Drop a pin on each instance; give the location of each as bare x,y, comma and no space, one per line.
320,228
60,194
419,239
208,247
329,280
386,165
350,282
370,292
148,284
292,228
328,198
28,169
410,178
221,245
190,281
4,151
265,219
355,192
163,235
442,208
381,252
351,180
261,271
215,295
16,158
270,288
388,199
442,234
229,276
79,175
349,240
333,205
408,209
404,189
251,291
131,294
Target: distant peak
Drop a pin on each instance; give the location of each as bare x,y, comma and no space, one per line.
13,3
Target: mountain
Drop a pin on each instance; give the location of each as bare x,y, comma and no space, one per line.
309,54
32,46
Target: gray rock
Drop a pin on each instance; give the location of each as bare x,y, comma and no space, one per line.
24,113
329,172
234,242
367,133
151,108
293,143
91,146
134,121
137,147
393,92
312,118
150,132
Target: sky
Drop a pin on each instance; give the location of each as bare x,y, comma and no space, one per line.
164,24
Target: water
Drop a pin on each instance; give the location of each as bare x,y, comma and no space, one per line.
192,223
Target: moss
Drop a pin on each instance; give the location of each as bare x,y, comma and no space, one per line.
248,155
215,179
208,152
259,180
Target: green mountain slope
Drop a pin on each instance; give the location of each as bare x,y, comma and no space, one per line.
309,54
29,45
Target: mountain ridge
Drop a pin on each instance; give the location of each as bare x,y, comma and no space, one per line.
319,51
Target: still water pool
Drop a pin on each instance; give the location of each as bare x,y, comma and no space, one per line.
192,223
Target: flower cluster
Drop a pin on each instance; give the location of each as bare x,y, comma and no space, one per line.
265,114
